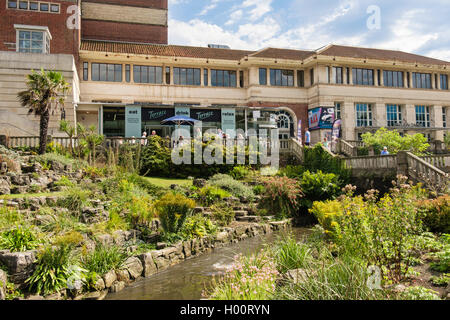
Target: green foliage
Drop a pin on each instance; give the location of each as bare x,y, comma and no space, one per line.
116,222
209,195
104,259
281,197
75,200
258,189
71,239
392,139
223,214
240,172
173,209
419,293
327,213
9,217
318,186
18,239
64,182
52,271
236,188
290,254
88,141
292,172
48,158
437,214
197,226
441,281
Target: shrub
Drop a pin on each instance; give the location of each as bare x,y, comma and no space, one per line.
64,182
9,216
116,222
156,158
292,172
419,293
290,254
258,190
209,195
437,214
173,209
281,197
104,259
318,186
223,214
197,226
236,188
75,199
327,213
19,239
240,172
47,158
71,238
54,268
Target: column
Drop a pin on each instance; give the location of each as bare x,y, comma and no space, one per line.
295,78
350,74
410,79
171,76
436,121
438,84
268,76
375,77
202,77
410,114
405,79
380,115
433,81
238,78
348,116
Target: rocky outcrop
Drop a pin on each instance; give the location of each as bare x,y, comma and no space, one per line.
20,264
134,267
3,282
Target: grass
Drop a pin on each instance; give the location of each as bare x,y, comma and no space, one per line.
166,183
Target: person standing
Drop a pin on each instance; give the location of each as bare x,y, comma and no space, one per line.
307,138
144,139
325,143
385,152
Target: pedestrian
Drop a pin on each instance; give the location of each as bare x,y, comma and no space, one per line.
144,139
385,152
153,133
325,143
307,138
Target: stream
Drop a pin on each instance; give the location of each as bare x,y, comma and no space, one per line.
187,280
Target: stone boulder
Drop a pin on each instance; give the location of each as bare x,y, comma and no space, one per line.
109,278
134,267
20,264
148,264
94,215
5,187
3,281
199,183
117,286
123,276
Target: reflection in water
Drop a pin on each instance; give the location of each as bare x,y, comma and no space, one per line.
187,280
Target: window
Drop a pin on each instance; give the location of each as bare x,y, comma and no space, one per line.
311,75
300,78
127,73
85,71
423,116
282,78
106,72
337,110
444,82
12,4
147,74
348,75
167,75
43,7
379,77
34,40
241,79
23,5
54,8
223,78
364,115
444,117
34,6
337,75
186,76
205,77
363,77
394,115
263,76
393,79
421,80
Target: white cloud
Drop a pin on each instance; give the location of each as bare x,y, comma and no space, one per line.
213,4
260,8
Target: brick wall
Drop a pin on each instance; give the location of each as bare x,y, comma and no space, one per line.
159,4
63,40
299,109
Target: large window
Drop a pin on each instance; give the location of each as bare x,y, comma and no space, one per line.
282,78
364,115
106,72
337,110
363,77
423,116
394,115
205,77
223,78
186,76
444,117
300,78
263,76
85,71
421,80
337,75
444,82
147,74
393,79
33,41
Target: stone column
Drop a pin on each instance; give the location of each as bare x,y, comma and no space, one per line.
402,163
380,115
409,114
171,76
405,79
375,77
410,79
202,77
433,81
436,119
348,120
268,76
350,74
296,78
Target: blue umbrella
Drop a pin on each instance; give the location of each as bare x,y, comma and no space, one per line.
179,120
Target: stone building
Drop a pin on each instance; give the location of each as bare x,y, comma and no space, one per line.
130,79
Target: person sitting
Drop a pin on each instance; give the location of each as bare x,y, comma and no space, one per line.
385,152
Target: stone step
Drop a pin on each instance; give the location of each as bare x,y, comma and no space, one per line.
249,219
240,213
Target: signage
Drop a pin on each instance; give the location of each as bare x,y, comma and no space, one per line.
336,133
314,118
299,131
133,124
206,115
156,114
229,121
321,118
182,112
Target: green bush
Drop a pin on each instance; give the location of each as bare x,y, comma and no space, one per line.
64,182
197,226
47,158
209,195
104,259
318,186
223,214
18,239
75,200
317,158
258,189
419,293
328,213
173,209
9,216
236,188
292,172
240,172
437,214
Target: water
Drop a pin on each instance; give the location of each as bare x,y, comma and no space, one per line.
187,280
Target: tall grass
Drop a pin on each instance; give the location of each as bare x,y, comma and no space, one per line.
290,254
104,259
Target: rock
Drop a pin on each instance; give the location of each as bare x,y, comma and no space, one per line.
161,245
198,210
222,236
160,260
120,237
109,278
94,215
91,296
2,294
134,267
296,276
117,286
199,183
240,213
105,239
100,284
399,288
148,264
57,166
5,187
20,264
35,298
55,296
19,189
3,279
3,167
123,276
187,249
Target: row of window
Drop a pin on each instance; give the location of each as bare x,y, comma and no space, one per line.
154,75
34,6
283,78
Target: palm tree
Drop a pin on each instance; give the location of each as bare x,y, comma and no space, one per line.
45,92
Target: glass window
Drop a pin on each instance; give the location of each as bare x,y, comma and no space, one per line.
364,115
393,79
363,77
337,75
23,5
106,72
167,75
394,115
311,75
263,76
43,7
12,4
205,77
223,78
33,42
444,82
54,8
337,108
421,80
241,79
34,6
147,74
85,71
95,72
127,73
423,116
444,117
186,76
301,78
282,78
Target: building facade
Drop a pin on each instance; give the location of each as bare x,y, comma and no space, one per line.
130,80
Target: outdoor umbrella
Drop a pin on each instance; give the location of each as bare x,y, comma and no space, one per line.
180,120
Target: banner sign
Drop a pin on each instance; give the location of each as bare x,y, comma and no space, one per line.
321,118
228,119
182,112
299,131
336,133
158,115
207,115
314,118
133,124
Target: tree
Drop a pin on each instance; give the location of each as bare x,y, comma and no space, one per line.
69,130
391,139
45,93
90,139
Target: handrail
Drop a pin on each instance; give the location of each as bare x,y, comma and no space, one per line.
427,173
347,148
297,149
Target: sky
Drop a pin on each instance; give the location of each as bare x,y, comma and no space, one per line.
421,27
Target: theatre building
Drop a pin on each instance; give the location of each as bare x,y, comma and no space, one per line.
128,80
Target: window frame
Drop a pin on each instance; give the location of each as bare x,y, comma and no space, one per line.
335,75
223,78
177,76
12,1
393,82
424,79
361,77
443,79
148,74
107,68
423,119
285,77
262,79
367,120
394,116
46,37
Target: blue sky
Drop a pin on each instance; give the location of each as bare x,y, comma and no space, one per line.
421,27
